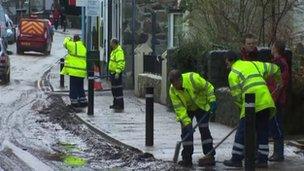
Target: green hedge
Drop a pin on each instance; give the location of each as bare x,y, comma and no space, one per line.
190,56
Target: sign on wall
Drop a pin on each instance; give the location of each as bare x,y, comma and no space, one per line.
81,3
93,8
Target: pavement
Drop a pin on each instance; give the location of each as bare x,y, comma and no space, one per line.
128,127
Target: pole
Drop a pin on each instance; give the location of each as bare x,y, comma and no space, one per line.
61,75
149,116
90,68
90,88
83,25
250,132
29,8
133,41
89,33
153,33
109,30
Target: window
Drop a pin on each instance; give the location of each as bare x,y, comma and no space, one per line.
175,29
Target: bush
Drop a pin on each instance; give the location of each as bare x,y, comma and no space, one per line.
189,57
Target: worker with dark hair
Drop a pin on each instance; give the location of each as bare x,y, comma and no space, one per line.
193,96
250,77
116,67
75,67
63,21
249,51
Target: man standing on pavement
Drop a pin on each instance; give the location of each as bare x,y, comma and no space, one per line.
56,16
75,66
193,96
280,97
249,77
116,67
249,51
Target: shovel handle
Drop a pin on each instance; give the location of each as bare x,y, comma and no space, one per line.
218,144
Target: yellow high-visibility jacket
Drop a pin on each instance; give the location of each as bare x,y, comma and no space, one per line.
249,77
196,93
117,61
75,63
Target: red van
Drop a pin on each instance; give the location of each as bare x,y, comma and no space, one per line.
34,35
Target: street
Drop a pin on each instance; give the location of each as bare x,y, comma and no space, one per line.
151,85
38,133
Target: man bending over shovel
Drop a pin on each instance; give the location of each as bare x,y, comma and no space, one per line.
193,96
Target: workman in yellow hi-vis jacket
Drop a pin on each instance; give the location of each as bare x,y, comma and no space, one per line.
75,66
249,77
193,96
116,67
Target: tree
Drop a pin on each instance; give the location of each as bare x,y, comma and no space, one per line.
223,23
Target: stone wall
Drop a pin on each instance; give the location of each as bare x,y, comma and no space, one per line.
149,80
143,28
227,112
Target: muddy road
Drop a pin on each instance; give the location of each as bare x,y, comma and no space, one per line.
39,132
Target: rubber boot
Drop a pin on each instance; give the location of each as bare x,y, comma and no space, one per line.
186,162
206,161
233,163
278,151
261,164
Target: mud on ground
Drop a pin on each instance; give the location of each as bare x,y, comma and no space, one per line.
103,152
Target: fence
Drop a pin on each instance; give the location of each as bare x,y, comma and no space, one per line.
152,64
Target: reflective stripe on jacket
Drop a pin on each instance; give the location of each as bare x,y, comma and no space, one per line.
117,61
249,77
196,93
75,63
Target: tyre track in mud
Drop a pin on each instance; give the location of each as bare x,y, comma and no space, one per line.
104,151
13,116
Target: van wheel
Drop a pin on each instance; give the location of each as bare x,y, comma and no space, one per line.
46,52
19,51
7,78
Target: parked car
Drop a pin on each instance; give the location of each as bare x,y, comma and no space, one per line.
34,35
11,30
4,64
3,28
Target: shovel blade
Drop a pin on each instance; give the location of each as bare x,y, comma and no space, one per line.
176,153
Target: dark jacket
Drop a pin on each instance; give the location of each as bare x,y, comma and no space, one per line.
249,56
280,95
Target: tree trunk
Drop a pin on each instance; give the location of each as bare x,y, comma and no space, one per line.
273,22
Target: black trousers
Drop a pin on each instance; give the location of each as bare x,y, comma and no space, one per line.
77,94
206,138
262,122
117,91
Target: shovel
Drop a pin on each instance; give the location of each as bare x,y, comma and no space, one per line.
179,143
208,155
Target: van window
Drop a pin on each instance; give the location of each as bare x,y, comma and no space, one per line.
36,5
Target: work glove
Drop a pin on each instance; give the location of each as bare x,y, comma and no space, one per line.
116,75
213,107
186,122
117,72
